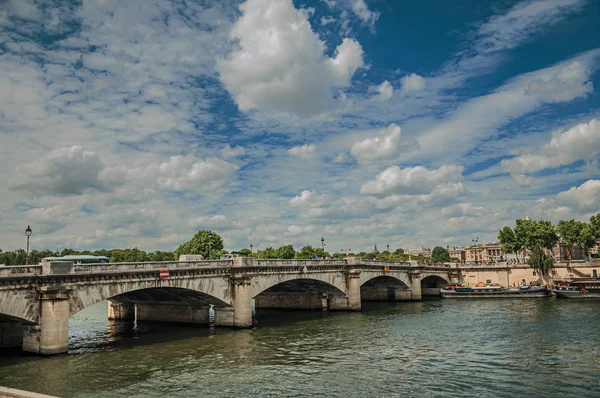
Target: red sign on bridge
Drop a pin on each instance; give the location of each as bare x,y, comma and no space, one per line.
164,274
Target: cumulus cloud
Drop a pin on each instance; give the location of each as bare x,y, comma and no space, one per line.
305,151
584,198
566,84
384,146
412,82
178,174
341,158
411,180
383,92
581,142
306,197
228,152
64,171
280,63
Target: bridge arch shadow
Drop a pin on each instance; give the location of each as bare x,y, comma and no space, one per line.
302,293
431,285
170,289
384,288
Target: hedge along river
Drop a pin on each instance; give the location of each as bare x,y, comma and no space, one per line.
503,348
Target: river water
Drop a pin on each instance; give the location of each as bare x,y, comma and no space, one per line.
434,348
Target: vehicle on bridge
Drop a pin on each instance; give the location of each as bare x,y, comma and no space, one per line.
79,259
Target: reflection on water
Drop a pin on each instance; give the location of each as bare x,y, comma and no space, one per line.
432,348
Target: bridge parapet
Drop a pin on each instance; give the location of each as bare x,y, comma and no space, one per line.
19,270
301,263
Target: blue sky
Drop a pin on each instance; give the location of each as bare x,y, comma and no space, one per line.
277,121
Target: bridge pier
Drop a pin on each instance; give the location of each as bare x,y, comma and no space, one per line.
51,336
242,301
353,286
415,286
121,311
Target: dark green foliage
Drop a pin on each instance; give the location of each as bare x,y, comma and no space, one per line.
440,255
540,261
207,243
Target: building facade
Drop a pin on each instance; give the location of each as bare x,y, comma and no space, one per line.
485,253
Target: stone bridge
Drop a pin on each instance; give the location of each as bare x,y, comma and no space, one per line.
37,301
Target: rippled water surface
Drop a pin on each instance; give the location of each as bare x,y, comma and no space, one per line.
508,348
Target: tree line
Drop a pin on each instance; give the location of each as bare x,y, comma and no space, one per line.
534,236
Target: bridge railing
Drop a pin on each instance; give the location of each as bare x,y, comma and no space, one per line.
307,263
17,270
151,266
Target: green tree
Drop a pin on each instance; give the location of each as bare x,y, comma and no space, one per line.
595,225
586,238
207,243
286,252
507,239
535,233
540,261
245,252
306,252
440,255
570,232
399,251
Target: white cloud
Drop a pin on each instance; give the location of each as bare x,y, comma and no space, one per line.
462,210
327,20
64,171
360,9
412,82
384,146
307,197
384,91
217,222
411,180
280,64
481,117
584,198
228,152
301,199
564,85
202,175
341,158
581,142
305,151
526,18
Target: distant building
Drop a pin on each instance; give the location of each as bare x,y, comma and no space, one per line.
420,250
485,253
458,253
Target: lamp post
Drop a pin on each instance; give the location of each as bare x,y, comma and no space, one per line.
475,242
388,248
28,234
323,246
250,248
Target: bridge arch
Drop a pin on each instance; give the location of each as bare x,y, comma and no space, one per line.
334,282
431,284
384,288
84,296
20,306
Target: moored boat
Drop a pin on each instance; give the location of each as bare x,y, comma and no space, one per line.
493,291
578,288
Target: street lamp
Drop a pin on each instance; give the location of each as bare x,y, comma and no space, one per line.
475,242
250,248
28,234
388,247
323,246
